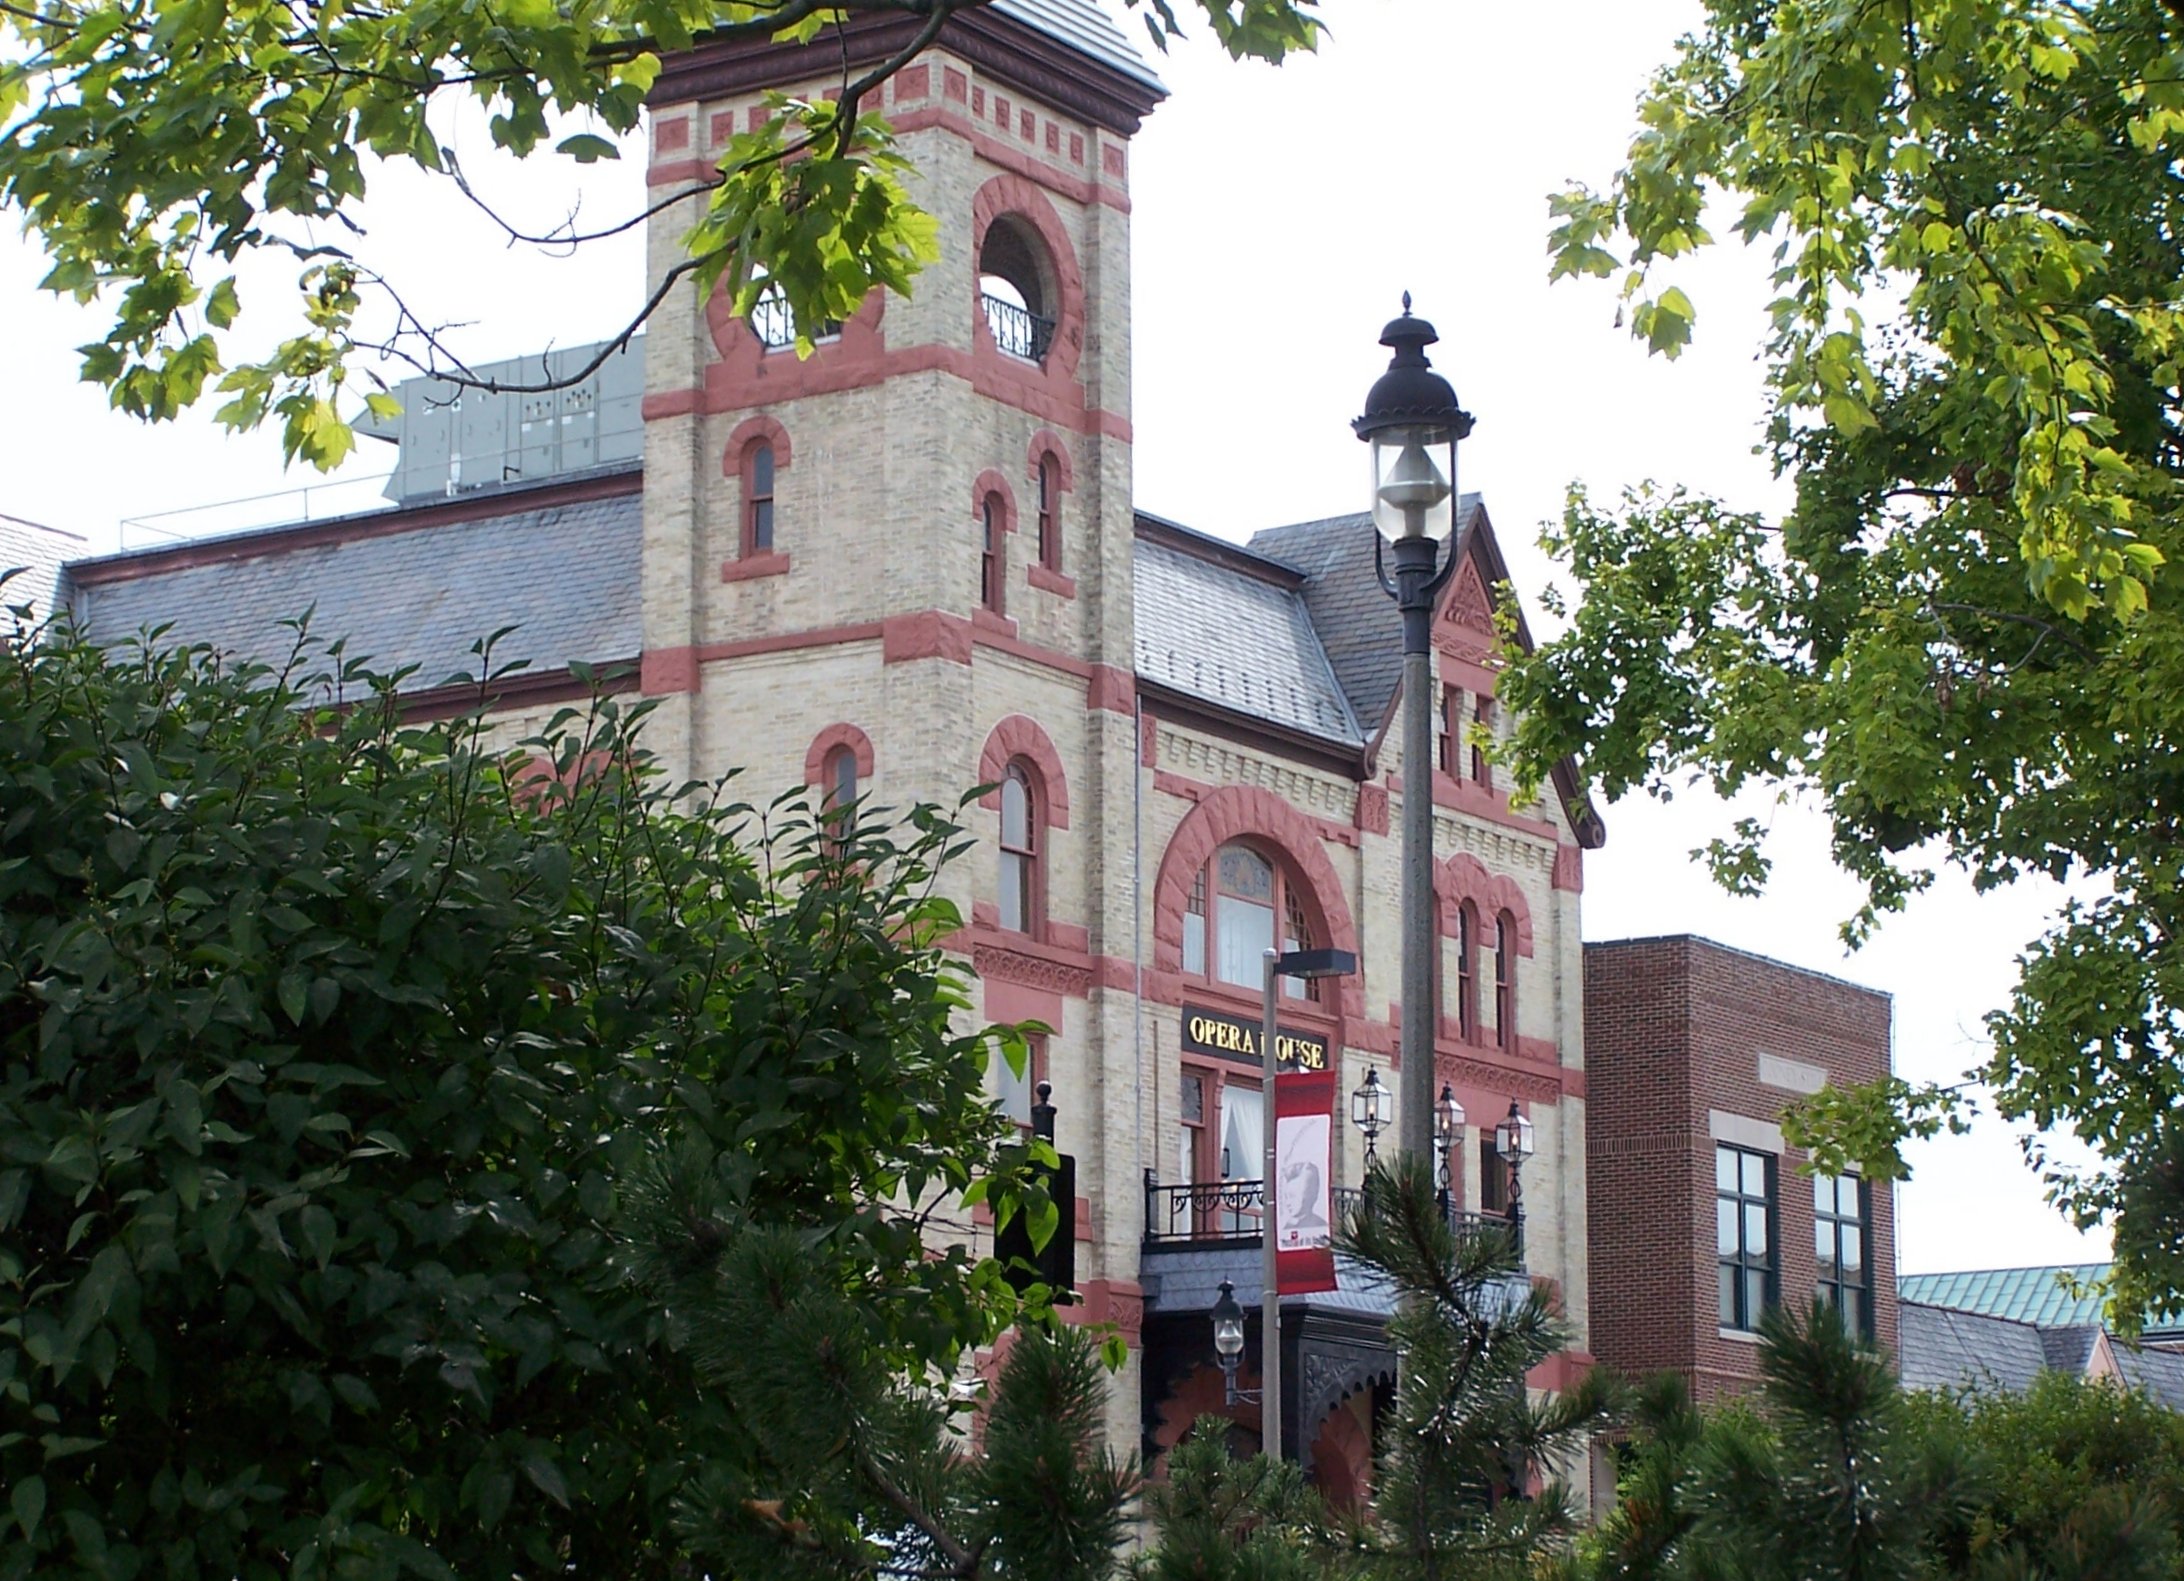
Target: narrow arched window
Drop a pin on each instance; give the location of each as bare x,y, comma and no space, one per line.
1050,519
990,565
1467,972
758,500
1194,926
1020,876
841,779
1482,731
1451,732
1505,982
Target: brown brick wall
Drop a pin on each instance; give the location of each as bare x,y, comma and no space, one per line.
1674,1031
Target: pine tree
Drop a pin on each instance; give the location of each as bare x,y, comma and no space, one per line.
1223,1519
1466,1440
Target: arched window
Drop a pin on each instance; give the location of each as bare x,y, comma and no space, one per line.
1505,981
991,565
1451,732
1014,292
1467,972
758,499
1020,850
1230,920
841,778
1482,722
1050,513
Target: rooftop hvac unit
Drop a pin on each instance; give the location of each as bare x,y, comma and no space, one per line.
451,439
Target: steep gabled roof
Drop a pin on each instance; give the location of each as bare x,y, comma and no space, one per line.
1221,624
1937,1348
1362,631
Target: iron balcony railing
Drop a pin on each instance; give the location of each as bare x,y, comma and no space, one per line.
775,325
1017,330
1229,1210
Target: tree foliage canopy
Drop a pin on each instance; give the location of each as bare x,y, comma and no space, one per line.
333,1052
1962,643
1833,1471
151,144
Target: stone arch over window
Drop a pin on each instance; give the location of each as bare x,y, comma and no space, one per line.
1464,877
1017,239
1019,736
1262,819
824,746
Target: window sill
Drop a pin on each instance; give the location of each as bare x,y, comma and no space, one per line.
1743,1336
984,619
1051,581
752,566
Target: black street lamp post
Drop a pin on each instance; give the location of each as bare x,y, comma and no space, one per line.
1448,1128
1413,424
1513,1139
1369,1111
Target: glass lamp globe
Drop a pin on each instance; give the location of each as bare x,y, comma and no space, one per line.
1448,1117
1367,1111
1514,1135
1228,1324
1412,496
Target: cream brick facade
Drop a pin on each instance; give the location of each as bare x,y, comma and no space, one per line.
873,621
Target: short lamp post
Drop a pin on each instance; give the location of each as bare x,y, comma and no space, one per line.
1308,965
1448,1130
1413,424
1513,1140
1228,1339
1369,1111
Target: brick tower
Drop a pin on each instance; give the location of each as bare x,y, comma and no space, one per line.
903,564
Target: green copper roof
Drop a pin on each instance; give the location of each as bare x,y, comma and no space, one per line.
2039,1296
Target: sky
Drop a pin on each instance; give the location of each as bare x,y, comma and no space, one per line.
1277,217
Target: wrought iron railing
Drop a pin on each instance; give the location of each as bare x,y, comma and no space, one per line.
775,325
1017,330
1205,1210
1227,1210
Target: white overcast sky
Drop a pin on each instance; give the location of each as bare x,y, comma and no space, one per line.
1278,215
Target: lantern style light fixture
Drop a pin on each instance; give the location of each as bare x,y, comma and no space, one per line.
1448,1129
1513,1140
1369,1110
1228,1338
1413,424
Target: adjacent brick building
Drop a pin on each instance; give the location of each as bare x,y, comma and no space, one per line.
1700,1214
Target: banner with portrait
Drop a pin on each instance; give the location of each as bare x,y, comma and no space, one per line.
1304,1181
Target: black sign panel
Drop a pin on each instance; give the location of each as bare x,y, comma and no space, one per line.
1231,1037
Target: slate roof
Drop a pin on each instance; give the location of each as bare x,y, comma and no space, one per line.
420,596
1188,1279
1214,631
1356,620
1085,25
36,553
2159,1372
1937,1348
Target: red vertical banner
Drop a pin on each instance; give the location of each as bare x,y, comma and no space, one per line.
1303,1184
